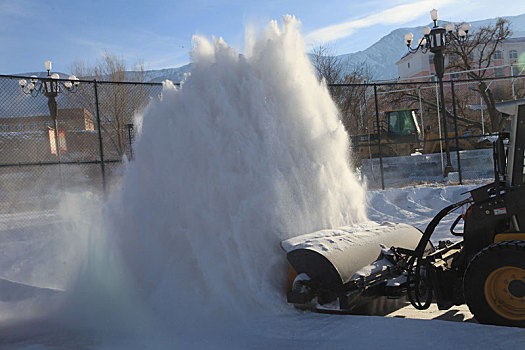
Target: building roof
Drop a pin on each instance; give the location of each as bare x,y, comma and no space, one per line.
514,40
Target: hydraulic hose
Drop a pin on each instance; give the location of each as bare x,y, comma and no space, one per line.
415,290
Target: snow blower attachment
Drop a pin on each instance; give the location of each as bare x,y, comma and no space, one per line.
351,270
349,266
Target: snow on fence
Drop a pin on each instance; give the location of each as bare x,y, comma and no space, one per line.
426,168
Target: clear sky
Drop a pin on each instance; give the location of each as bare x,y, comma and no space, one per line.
158,32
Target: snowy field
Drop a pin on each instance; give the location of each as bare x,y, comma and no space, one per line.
34,264
186,254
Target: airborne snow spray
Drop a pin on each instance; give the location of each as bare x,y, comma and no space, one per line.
247,152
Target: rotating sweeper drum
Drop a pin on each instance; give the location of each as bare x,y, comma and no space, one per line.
350,269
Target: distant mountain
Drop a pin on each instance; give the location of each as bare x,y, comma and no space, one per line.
381,57
173,74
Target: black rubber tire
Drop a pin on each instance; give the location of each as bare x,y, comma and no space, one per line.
491,258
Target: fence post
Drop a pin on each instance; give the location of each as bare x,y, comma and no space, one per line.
131,131
379,139
100,144
456,129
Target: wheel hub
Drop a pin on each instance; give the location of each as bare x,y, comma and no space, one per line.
505,292
517,288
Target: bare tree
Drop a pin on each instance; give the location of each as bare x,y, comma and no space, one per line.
350,99
474,56
353,98
117,102
328,66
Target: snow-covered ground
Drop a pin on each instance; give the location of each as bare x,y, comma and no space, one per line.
32,296
186,254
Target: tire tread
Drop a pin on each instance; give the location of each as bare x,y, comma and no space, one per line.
476,267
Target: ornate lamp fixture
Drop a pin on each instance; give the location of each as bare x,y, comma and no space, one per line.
435,40
50,87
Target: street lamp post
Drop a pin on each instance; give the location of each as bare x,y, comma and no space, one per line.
435,40
50,87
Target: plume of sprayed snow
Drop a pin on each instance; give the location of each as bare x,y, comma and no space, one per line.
248,152
101,294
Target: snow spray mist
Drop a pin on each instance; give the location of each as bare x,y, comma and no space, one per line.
247,152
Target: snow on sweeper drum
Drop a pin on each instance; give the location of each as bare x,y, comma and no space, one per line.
349,269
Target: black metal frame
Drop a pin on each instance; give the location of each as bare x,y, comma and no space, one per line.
435,41
51,87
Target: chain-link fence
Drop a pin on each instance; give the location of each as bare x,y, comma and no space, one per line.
57,134
398,131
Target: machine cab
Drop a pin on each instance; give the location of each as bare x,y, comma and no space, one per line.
403,123
509,165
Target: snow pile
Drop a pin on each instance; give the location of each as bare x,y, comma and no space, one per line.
250,151
418,206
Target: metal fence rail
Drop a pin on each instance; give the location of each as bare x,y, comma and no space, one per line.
78,138
382,158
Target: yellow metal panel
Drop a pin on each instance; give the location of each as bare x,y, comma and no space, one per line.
509,237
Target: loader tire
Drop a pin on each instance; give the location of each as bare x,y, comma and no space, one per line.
494,284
